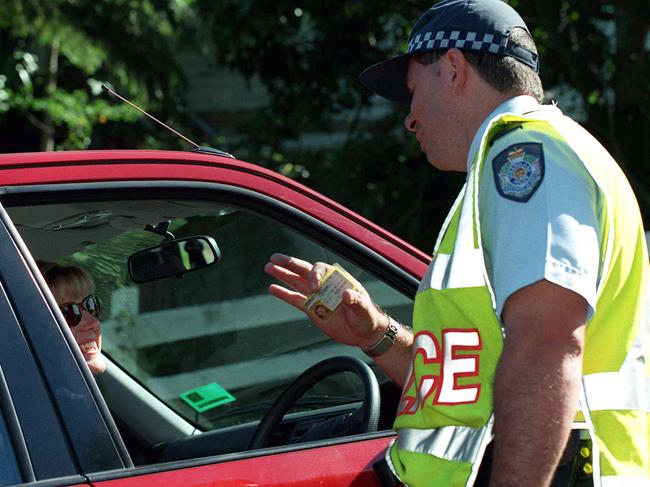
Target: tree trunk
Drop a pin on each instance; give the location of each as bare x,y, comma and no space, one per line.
47,133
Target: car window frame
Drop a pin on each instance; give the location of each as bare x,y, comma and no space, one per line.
31,399
78,408
15,450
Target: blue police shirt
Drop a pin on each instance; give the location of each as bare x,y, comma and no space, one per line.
555,234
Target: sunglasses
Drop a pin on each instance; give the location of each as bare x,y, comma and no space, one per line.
72,311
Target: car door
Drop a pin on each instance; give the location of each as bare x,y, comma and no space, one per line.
215,331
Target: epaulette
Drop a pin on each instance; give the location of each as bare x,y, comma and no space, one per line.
506,129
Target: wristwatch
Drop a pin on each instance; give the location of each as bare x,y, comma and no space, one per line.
384,343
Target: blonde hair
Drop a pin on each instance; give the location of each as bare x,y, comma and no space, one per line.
66,279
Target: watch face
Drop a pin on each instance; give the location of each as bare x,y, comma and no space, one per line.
391,333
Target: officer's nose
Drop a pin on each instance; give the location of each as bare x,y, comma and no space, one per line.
409,123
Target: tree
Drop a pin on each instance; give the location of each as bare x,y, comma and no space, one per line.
600,49
56,54
308,55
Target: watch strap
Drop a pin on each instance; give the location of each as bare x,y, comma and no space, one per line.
384,343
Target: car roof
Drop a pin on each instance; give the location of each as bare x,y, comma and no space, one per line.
39,159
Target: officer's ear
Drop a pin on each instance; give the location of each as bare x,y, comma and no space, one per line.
458,70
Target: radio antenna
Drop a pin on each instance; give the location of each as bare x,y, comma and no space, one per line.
197,147
106,88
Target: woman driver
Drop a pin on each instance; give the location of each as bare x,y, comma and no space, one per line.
73,288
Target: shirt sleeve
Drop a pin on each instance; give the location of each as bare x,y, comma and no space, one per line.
554,235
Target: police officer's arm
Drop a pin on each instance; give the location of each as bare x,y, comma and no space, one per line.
358,322
537,382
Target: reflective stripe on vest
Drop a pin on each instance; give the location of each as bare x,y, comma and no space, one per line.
621,481
439,276
616,391
625,390
455,443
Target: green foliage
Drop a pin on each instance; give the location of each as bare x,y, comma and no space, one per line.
600,49
55,54
308,56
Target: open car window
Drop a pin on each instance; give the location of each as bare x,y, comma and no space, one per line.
211,345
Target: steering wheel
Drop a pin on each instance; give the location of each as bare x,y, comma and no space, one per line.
310,377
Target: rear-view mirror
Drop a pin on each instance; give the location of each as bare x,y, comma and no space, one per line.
173,258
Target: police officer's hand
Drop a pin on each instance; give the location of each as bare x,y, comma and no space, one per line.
356,322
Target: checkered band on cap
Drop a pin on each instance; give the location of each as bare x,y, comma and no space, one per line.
473,41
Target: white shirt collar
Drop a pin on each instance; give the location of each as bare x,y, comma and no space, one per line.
517,105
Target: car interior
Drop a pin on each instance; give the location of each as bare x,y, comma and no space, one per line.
198,352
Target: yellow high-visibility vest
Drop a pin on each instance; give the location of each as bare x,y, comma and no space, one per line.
445,416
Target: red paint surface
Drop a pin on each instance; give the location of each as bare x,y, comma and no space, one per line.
348,465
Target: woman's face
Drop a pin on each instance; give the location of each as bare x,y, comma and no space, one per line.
87,333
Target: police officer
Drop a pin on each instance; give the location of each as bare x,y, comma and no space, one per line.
529,321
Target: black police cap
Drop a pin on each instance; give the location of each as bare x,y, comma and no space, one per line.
469,25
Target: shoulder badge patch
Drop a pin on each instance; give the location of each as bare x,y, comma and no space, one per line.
519,170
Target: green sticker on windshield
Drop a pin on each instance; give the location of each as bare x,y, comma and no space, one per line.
206,397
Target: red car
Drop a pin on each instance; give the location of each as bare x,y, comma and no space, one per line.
205,381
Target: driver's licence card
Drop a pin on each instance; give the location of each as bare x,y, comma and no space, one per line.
327,299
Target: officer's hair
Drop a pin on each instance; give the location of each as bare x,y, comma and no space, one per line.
503,73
